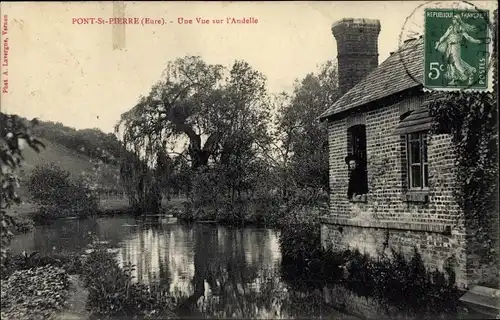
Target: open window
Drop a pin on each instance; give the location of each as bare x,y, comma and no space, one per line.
357,141
356,162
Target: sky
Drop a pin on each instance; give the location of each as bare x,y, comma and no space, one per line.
70,73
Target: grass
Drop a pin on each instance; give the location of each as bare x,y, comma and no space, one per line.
67,159
106,206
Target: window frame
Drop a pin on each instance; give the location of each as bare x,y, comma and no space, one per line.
424,165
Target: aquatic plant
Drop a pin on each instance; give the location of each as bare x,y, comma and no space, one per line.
34,293
113,293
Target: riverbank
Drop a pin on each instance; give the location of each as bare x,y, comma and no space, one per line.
23,214
35,293
237,267
77,287
105,205
270,213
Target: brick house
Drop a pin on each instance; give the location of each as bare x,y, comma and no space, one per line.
383,118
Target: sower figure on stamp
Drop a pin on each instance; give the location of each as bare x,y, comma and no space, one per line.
358,184
450,45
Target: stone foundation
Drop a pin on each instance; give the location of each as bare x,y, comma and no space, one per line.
439,245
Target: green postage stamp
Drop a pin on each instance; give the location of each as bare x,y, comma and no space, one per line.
457,47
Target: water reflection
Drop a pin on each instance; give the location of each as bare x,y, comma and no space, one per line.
211,270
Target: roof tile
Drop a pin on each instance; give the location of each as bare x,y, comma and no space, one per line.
401,71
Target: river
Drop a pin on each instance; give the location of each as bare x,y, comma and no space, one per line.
227,272
216,271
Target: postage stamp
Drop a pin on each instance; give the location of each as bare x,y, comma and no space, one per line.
457,45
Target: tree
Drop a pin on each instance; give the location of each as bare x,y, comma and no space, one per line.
58,196
303,140
140,183
228,109
91,142
179,105
245,126
15,132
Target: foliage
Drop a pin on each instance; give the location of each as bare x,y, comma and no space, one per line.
112,292
22,224
471,118
389,278
227,109
70,263
141,184
301,139
58,196
184,100
34,293
91,142
15,133
243,161
300,237
384,278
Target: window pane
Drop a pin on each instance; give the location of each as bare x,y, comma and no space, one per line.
416,177
414,152
426,176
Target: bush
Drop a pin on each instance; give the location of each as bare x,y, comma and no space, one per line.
23,224
58,196
262,211
385,279
390,278
71,263
34,293
300,238
113,293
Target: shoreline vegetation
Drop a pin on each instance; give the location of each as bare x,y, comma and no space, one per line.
305,266
381,281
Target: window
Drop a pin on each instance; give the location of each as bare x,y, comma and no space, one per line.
418,172
357,141
356,161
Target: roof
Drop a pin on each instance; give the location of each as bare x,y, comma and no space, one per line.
418,120
401,71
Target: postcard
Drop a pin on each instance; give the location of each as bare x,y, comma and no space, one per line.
256,160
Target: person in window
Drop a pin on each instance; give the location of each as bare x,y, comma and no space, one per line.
358,184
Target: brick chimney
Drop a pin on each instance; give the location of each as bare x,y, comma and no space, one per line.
357,47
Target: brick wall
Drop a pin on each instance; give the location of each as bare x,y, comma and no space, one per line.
436,248
384,197
357,48
435,227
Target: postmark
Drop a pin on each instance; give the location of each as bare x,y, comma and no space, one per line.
454,44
